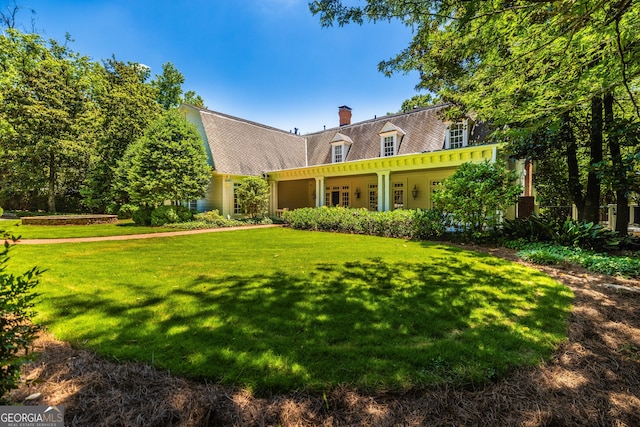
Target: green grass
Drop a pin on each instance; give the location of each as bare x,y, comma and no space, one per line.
121,228
279,310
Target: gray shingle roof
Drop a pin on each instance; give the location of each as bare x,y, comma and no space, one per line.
424,130
243,147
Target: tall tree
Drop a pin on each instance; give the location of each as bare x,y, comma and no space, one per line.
46,114
520,64
127,106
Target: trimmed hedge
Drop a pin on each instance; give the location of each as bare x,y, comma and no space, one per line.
407,224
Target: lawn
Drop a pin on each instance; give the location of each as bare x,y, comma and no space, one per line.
279,310
121,228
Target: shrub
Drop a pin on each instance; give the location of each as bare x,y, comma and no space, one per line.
1,211
211,217
169,215
126,211
142,216
407,224
532,229
474,194
17,332
586,235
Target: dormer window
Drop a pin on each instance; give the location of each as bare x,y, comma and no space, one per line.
340,148
390,137
457,135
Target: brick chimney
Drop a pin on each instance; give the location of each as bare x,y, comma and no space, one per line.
345,115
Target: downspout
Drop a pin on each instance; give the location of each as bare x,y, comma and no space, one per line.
306,152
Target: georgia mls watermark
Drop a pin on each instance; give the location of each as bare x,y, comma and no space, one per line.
31,416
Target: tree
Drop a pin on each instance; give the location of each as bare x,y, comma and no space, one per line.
168,163
168,86
46,115
253,196
190,97
521,64
475,193
127,106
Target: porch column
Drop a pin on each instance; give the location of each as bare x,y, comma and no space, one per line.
273,197
321,192
227,197
383,190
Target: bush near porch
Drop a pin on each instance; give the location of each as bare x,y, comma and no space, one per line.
405,224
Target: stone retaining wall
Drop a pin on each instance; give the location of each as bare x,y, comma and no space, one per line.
69,219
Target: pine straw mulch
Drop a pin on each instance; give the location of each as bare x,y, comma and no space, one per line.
594,380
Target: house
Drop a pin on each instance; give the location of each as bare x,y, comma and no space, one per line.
386,163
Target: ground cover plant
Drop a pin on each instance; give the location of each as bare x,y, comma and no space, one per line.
280,309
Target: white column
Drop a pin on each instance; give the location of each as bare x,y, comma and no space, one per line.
273,202
321,193
384,191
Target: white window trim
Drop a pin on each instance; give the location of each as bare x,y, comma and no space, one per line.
395,144
345,150
465,134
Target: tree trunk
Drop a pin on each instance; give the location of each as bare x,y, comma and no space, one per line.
52,183
620,184
592,196
572,164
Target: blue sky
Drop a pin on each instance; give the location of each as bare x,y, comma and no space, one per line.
263,60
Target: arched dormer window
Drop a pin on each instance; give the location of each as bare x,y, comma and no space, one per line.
340,145
457,135
390,138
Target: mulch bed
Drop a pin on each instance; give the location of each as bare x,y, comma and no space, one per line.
593,380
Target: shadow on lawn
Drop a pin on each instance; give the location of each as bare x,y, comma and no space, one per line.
371,324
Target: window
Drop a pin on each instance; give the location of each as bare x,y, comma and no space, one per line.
390,139
388,146
192,205
398,195
373,197
337,154
345,196
340,148
237,208
434,187
457,135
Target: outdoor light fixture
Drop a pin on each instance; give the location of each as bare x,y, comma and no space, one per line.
357,193
414,192
313,195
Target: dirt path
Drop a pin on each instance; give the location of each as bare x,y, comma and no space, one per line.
140,236
593,380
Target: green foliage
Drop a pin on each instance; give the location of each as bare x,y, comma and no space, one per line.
168,86
170,214
475,193
548,254
1,211
47,119
585,235
17,332
253,196
167,163
127,106
407,224
142,215
531,229
126,211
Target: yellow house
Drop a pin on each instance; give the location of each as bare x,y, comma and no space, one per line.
390,162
